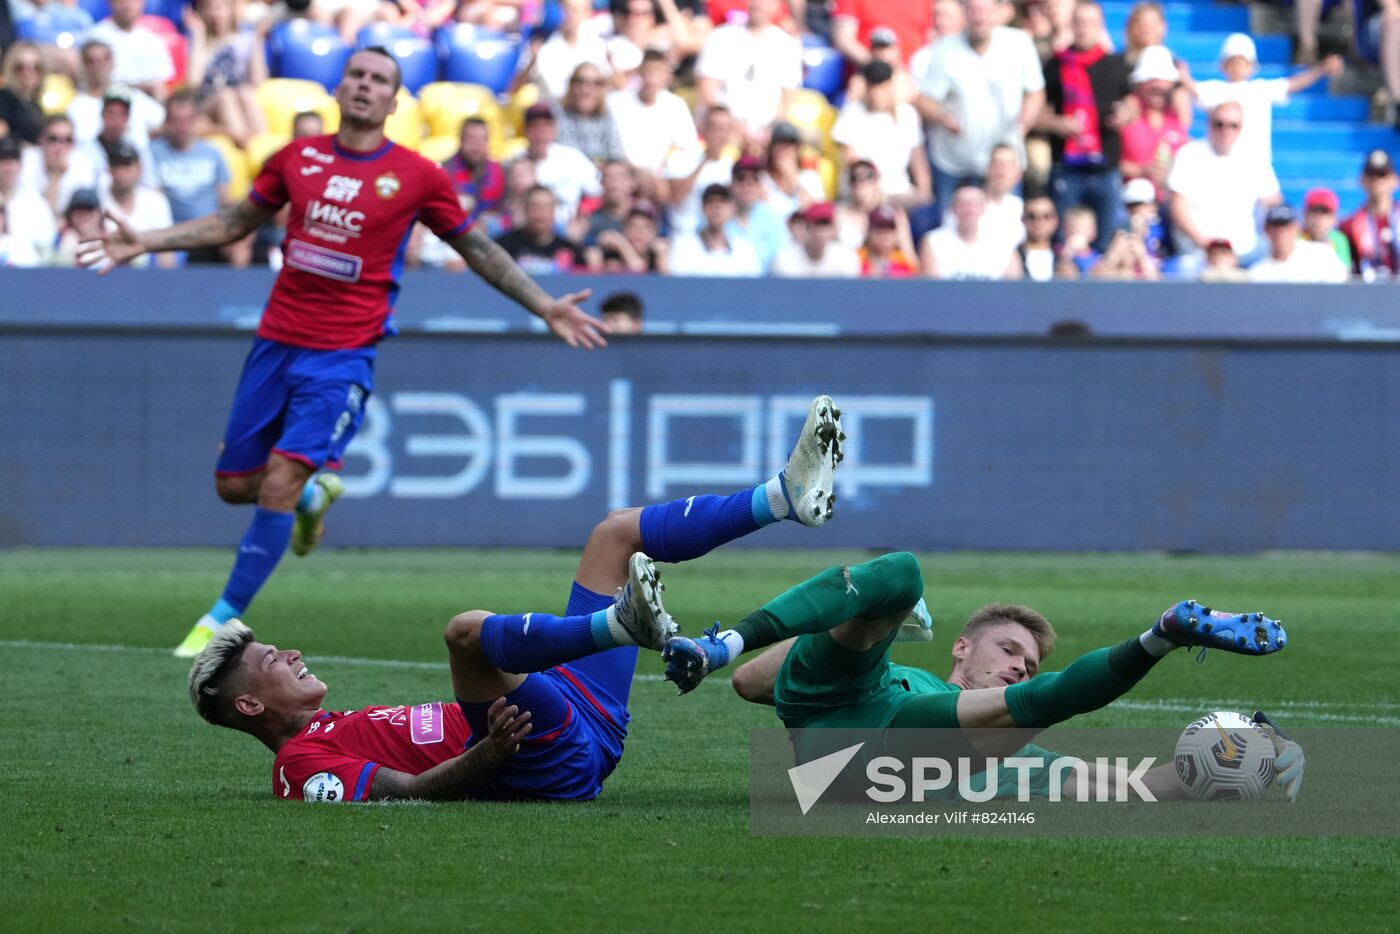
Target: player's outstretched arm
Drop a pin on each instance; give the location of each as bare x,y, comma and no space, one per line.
565,318
123,244
450,780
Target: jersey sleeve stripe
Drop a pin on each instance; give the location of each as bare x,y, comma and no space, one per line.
255,195
362,785
459,229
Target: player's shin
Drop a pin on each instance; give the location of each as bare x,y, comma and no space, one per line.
258,553
685,529
1091,681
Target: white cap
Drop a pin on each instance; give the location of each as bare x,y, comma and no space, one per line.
1155,63
1139,191
1237,43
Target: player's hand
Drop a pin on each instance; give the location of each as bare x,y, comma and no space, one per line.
1289,760
572,324
1333,65
116,246
508,725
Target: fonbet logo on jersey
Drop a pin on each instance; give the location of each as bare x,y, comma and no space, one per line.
324,786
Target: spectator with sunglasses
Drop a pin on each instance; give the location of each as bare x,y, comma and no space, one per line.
55,168
1037,252
863,196
582,118
1374,230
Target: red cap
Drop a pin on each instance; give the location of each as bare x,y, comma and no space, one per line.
883,216
1321,197
819,213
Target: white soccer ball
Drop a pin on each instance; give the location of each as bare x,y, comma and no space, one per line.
1224,756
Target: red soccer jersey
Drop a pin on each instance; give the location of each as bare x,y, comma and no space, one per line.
335,757
351,216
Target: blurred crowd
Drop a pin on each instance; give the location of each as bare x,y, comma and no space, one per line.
961,139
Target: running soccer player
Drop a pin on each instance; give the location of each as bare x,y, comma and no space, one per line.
541,709
354,198
827,666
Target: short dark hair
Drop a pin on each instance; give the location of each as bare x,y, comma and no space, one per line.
716,191
473,120
182,96
380,50
536,189
623,303
655,55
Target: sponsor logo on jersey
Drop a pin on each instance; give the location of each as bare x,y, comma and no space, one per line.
320,261
311,169
342,189
324,786
333,215
425,724
387,185
311,152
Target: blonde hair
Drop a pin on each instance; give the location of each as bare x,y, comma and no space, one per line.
10,67
213,675
994,614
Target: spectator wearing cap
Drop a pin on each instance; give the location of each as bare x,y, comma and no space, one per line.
134,203
884,47
623,313
1215,189
652,122
1151,139
582,117
578,39
1320,207
712,250
1292,259
115,129
1084,92
1144,218
82,221
964,250
688,173
1374,230
140,57
193,176
535,245
815,252
753,68
94,83
787,185
1221,263
54,168
754,219
474,174
881,256
1257,97
1146,27
21,113
1037,252
862,196
901,24
619,193
636,248
29,221
981,87
879,129
562,169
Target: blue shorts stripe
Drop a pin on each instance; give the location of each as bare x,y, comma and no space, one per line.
363,780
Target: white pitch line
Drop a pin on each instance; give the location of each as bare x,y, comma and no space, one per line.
1317,710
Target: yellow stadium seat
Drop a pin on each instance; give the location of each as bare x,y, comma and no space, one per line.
810,110
521,101
281,99
439,148
57,94
240,177
447,103
826,168
405,125
509,149
262,147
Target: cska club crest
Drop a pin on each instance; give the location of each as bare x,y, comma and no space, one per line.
386,186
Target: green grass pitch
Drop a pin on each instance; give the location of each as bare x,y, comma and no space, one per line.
123,811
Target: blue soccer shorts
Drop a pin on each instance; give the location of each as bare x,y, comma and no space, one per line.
303,404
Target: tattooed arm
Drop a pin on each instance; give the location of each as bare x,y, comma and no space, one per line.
451,780
564,317
230,223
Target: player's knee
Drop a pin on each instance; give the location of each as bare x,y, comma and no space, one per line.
750,684
463,632
280,490
236,490
901,578
621,527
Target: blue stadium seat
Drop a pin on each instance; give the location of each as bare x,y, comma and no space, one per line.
299,48
824,70
417,58
1362,31
100,9
471,55
173,10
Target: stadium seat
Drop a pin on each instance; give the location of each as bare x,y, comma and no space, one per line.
281,99
405,125
240,175
262,147
446,104
416,56
824,70
49,31
98,9
810,110
509,149
57,94
439,148
299,48
520,101
830,176
473,55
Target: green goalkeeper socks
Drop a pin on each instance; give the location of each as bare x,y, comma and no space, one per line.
1091,681
873,589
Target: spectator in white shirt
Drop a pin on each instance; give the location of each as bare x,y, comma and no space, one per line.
688,173
146,113
139,206
562,169
787,186
753,68
55,168
652,121
140,57
815,251
578,39
1291,259
981,87
1003,216
1215,190
29,226
885,132
965,250
711,251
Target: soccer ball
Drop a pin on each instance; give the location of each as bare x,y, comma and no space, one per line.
1224,756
